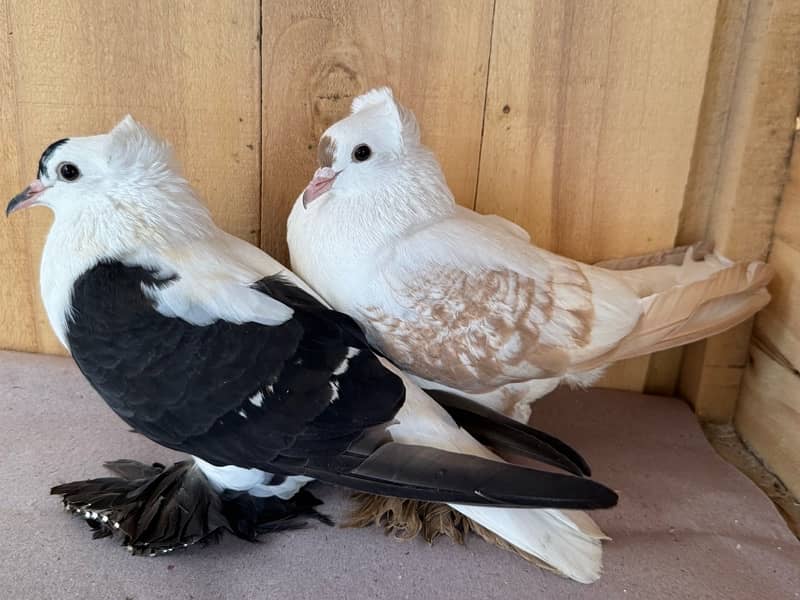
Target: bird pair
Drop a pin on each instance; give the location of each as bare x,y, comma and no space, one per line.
207,345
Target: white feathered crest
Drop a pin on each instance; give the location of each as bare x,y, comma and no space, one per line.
134,146
403,120
147,176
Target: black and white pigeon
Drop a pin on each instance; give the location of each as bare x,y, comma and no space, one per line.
206,345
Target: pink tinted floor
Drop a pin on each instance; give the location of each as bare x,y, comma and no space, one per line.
688,525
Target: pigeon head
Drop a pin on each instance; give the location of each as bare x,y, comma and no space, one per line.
373,160
113,190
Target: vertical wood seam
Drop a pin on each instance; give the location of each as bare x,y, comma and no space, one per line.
560,118
707,105
33,288
485,108
739,193
793,147
260,117
601,134
737,81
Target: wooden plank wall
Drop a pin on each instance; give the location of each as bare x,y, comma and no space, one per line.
190,70
768,411
319,55
741,155
588,140
577,119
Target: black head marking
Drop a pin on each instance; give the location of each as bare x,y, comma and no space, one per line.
46,155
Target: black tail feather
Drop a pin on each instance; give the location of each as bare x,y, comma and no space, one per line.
433,475
133,469
156,509
499,432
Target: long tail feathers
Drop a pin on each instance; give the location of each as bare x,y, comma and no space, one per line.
562,541
156,509
568,542
502,433
434,475
711,296
574,552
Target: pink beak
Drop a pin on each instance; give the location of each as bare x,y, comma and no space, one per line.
26,197
321,183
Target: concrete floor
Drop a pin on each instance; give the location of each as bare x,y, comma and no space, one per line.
688,525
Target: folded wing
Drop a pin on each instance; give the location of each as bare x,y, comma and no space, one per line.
303,397
476,316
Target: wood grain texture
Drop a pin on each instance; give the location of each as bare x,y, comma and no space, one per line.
751,158
188,70
319,55
628,374
779,323
665,367
768,416
708,381
591,136
588,140
663,372
787,225
768,412
605,127
721,80
18,292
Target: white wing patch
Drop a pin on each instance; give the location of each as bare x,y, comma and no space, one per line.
214,301
343,366
230,477
212,282
334,391
257,399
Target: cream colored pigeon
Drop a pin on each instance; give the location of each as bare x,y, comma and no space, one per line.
466,302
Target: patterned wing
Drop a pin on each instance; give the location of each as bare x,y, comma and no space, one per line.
478,329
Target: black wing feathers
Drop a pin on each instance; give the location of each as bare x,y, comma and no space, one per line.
242,394
307,396
500,432
312,314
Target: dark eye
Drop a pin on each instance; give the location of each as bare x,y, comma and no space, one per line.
361,153
68,172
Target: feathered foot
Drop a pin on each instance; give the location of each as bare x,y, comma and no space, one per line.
407,519
156,509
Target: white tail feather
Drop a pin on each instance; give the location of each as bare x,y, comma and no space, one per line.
710,297
570,547
567,541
